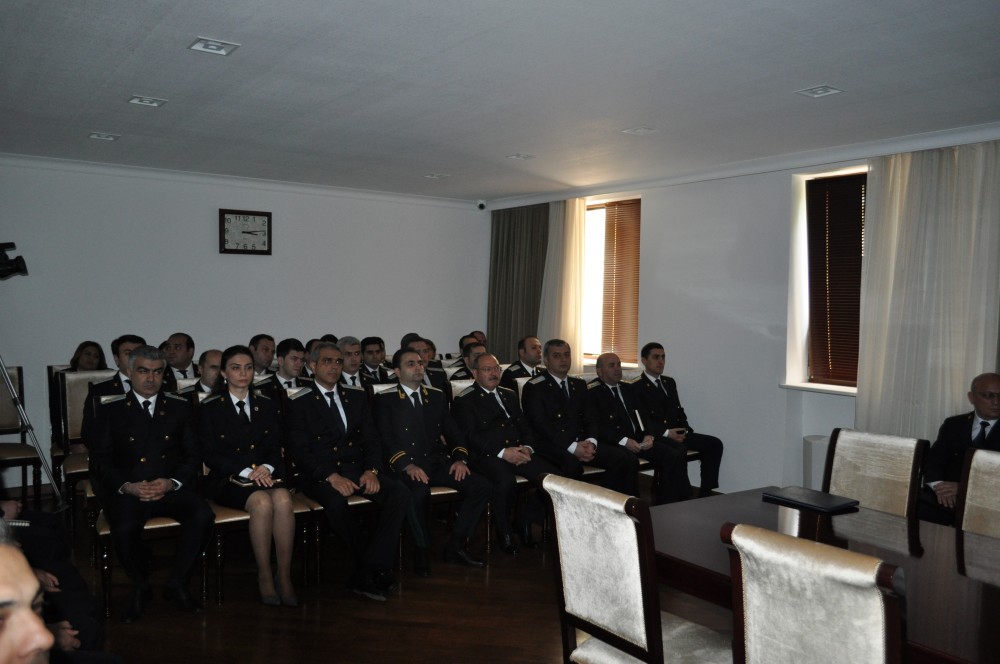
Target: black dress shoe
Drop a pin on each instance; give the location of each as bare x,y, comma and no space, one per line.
462,557
182,598
364,586
137,603
387,582
422,563
506,544
527,538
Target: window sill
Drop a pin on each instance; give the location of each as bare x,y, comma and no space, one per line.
822,389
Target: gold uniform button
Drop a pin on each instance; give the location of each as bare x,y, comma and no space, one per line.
142,459
350,444
336,449
166,438
163,456
252,446
131,439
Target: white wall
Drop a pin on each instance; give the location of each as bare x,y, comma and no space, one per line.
115,250
714,291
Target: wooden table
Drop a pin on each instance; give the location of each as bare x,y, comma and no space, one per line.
949,617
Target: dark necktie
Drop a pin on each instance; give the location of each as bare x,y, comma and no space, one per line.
243,413
146,405
618,398
333,407
663,386
354,380
416,399
980,439
564,386
288,383
184,373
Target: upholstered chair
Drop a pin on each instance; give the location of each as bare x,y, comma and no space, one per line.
796,601
883,473
978,518
607,579
18,454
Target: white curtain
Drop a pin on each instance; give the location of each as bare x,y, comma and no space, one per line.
930,287
562,286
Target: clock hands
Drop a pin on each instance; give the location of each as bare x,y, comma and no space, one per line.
254,232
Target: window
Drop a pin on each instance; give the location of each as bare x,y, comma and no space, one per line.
611,294
835,210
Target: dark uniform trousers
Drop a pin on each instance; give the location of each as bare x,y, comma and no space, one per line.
321,445
609,417
489,429
557,419
412,434
132,447
661,409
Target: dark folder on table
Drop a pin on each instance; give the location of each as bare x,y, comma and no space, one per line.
809,499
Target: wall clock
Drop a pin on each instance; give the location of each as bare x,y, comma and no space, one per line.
244,232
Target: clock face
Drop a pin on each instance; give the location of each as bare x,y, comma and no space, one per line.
244,232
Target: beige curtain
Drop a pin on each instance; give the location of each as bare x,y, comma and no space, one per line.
562,286
930,300
517,261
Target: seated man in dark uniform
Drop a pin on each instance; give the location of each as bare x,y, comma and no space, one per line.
958,434
662,415
471,351
610,414
180,356
209,365
145,458
528,365
372,361
433,376
412,419
502,447
553,404
334,443
121,348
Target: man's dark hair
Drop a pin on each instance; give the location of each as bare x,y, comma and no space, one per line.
408,339
524,340
431,344
188,341
463,341
257,338
286,345
329,338
126,339
467,351
649,348
551,343
397,357
309,344
204,356
371,341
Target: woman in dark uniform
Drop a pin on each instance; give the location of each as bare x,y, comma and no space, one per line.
240,435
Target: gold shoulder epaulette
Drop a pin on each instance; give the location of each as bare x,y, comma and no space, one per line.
186,390
537,379
302,392
353,387
171,395
469,390
212,398
112,398
431,388
259,393
592,385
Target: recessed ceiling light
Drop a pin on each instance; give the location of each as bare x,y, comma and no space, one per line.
521,157
436,176
102,136
147,101
818,91
213,46
640,131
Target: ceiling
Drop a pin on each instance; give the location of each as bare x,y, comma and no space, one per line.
377,94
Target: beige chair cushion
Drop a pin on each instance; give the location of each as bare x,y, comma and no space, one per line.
10,418
981,519
75,397
689,643
876,470
808,603
11,452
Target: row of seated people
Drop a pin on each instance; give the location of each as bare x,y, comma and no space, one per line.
344,442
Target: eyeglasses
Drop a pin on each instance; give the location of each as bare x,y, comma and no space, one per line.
988,396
